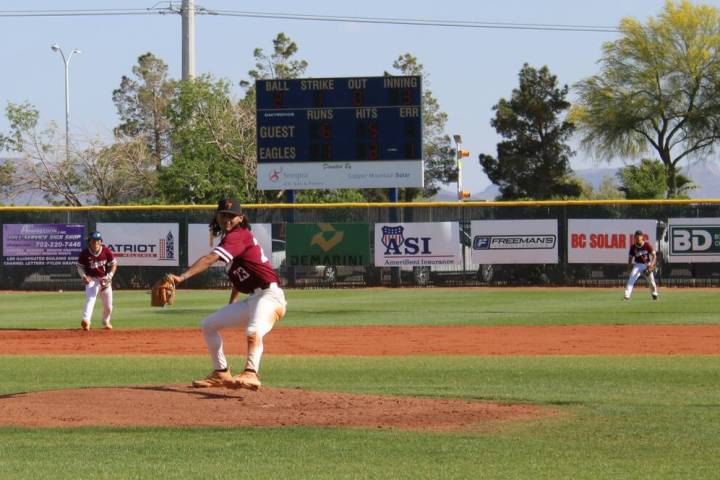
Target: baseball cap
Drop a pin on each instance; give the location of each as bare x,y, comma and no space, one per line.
639,232
95,235
229,205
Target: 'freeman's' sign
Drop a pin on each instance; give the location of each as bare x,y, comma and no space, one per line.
514,241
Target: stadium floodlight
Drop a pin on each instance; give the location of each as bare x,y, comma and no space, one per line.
66,60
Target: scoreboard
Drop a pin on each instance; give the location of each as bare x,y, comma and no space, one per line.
357,132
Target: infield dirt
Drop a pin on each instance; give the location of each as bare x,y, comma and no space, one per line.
374,341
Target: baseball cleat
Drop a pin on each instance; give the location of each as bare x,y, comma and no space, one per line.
626,298
248,379
107,326
85,325
654,295
214,380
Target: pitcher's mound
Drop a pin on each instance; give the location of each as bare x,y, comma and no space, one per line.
174,405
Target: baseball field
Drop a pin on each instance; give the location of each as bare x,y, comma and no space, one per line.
369,383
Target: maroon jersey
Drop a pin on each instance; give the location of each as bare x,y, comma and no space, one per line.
642,253
247,266
96,265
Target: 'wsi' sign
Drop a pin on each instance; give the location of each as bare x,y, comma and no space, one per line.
417,244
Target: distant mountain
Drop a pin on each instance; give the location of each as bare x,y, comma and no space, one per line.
705,175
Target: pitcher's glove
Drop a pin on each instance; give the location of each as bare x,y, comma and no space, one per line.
163,292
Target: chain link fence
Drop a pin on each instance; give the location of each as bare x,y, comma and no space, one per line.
16,273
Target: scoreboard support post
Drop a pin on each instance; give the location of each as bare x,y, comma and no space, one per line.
393,194
290,198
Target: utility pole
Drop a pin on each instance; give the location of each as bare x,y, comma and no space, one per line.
188,39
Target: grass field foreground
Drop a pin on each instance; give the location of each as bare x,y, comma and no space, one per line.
644,417
617,417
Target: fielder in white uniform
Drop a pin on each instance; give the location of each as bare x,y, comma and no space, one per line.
96,266
641,262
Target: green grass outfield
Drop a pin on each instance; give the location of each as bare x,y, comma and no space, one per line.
620,417
428,306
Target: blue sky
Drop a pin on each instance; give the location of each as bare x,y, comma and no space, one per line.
469,69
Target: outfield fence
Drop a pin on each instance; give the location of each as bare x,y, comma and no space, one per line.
573,243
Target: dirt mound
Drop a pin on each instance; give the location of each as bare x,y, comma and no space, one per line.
175,406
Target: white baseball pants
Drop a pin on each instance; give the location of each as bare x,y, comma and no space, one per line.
92,290
637,270
257,314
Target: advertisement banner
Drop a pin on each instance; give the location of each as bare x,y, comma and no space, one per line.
514,241
328,244
417,244
42,244
142,244
605,241
693,240
200,242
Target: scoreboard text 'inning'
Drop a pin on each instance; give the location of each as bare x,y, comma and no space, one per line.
359,132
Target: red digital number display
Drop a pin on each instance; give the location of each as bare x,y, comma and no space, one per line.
358,97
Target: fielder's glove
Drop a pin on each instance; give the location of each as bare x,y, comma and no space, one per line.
105,282
163,292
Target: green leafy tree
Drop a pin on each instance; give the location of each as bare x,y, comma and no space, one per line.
649,180
97,174
330,196
213,141
119,174
141,103
279,64
658,89
46,166
608,190
438,154
7,171
533,161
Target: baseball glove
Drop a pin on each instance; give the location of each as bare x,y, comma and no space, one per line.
105,283
163,292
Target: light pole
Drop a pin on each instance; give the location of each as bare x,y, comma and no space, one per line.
66,61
